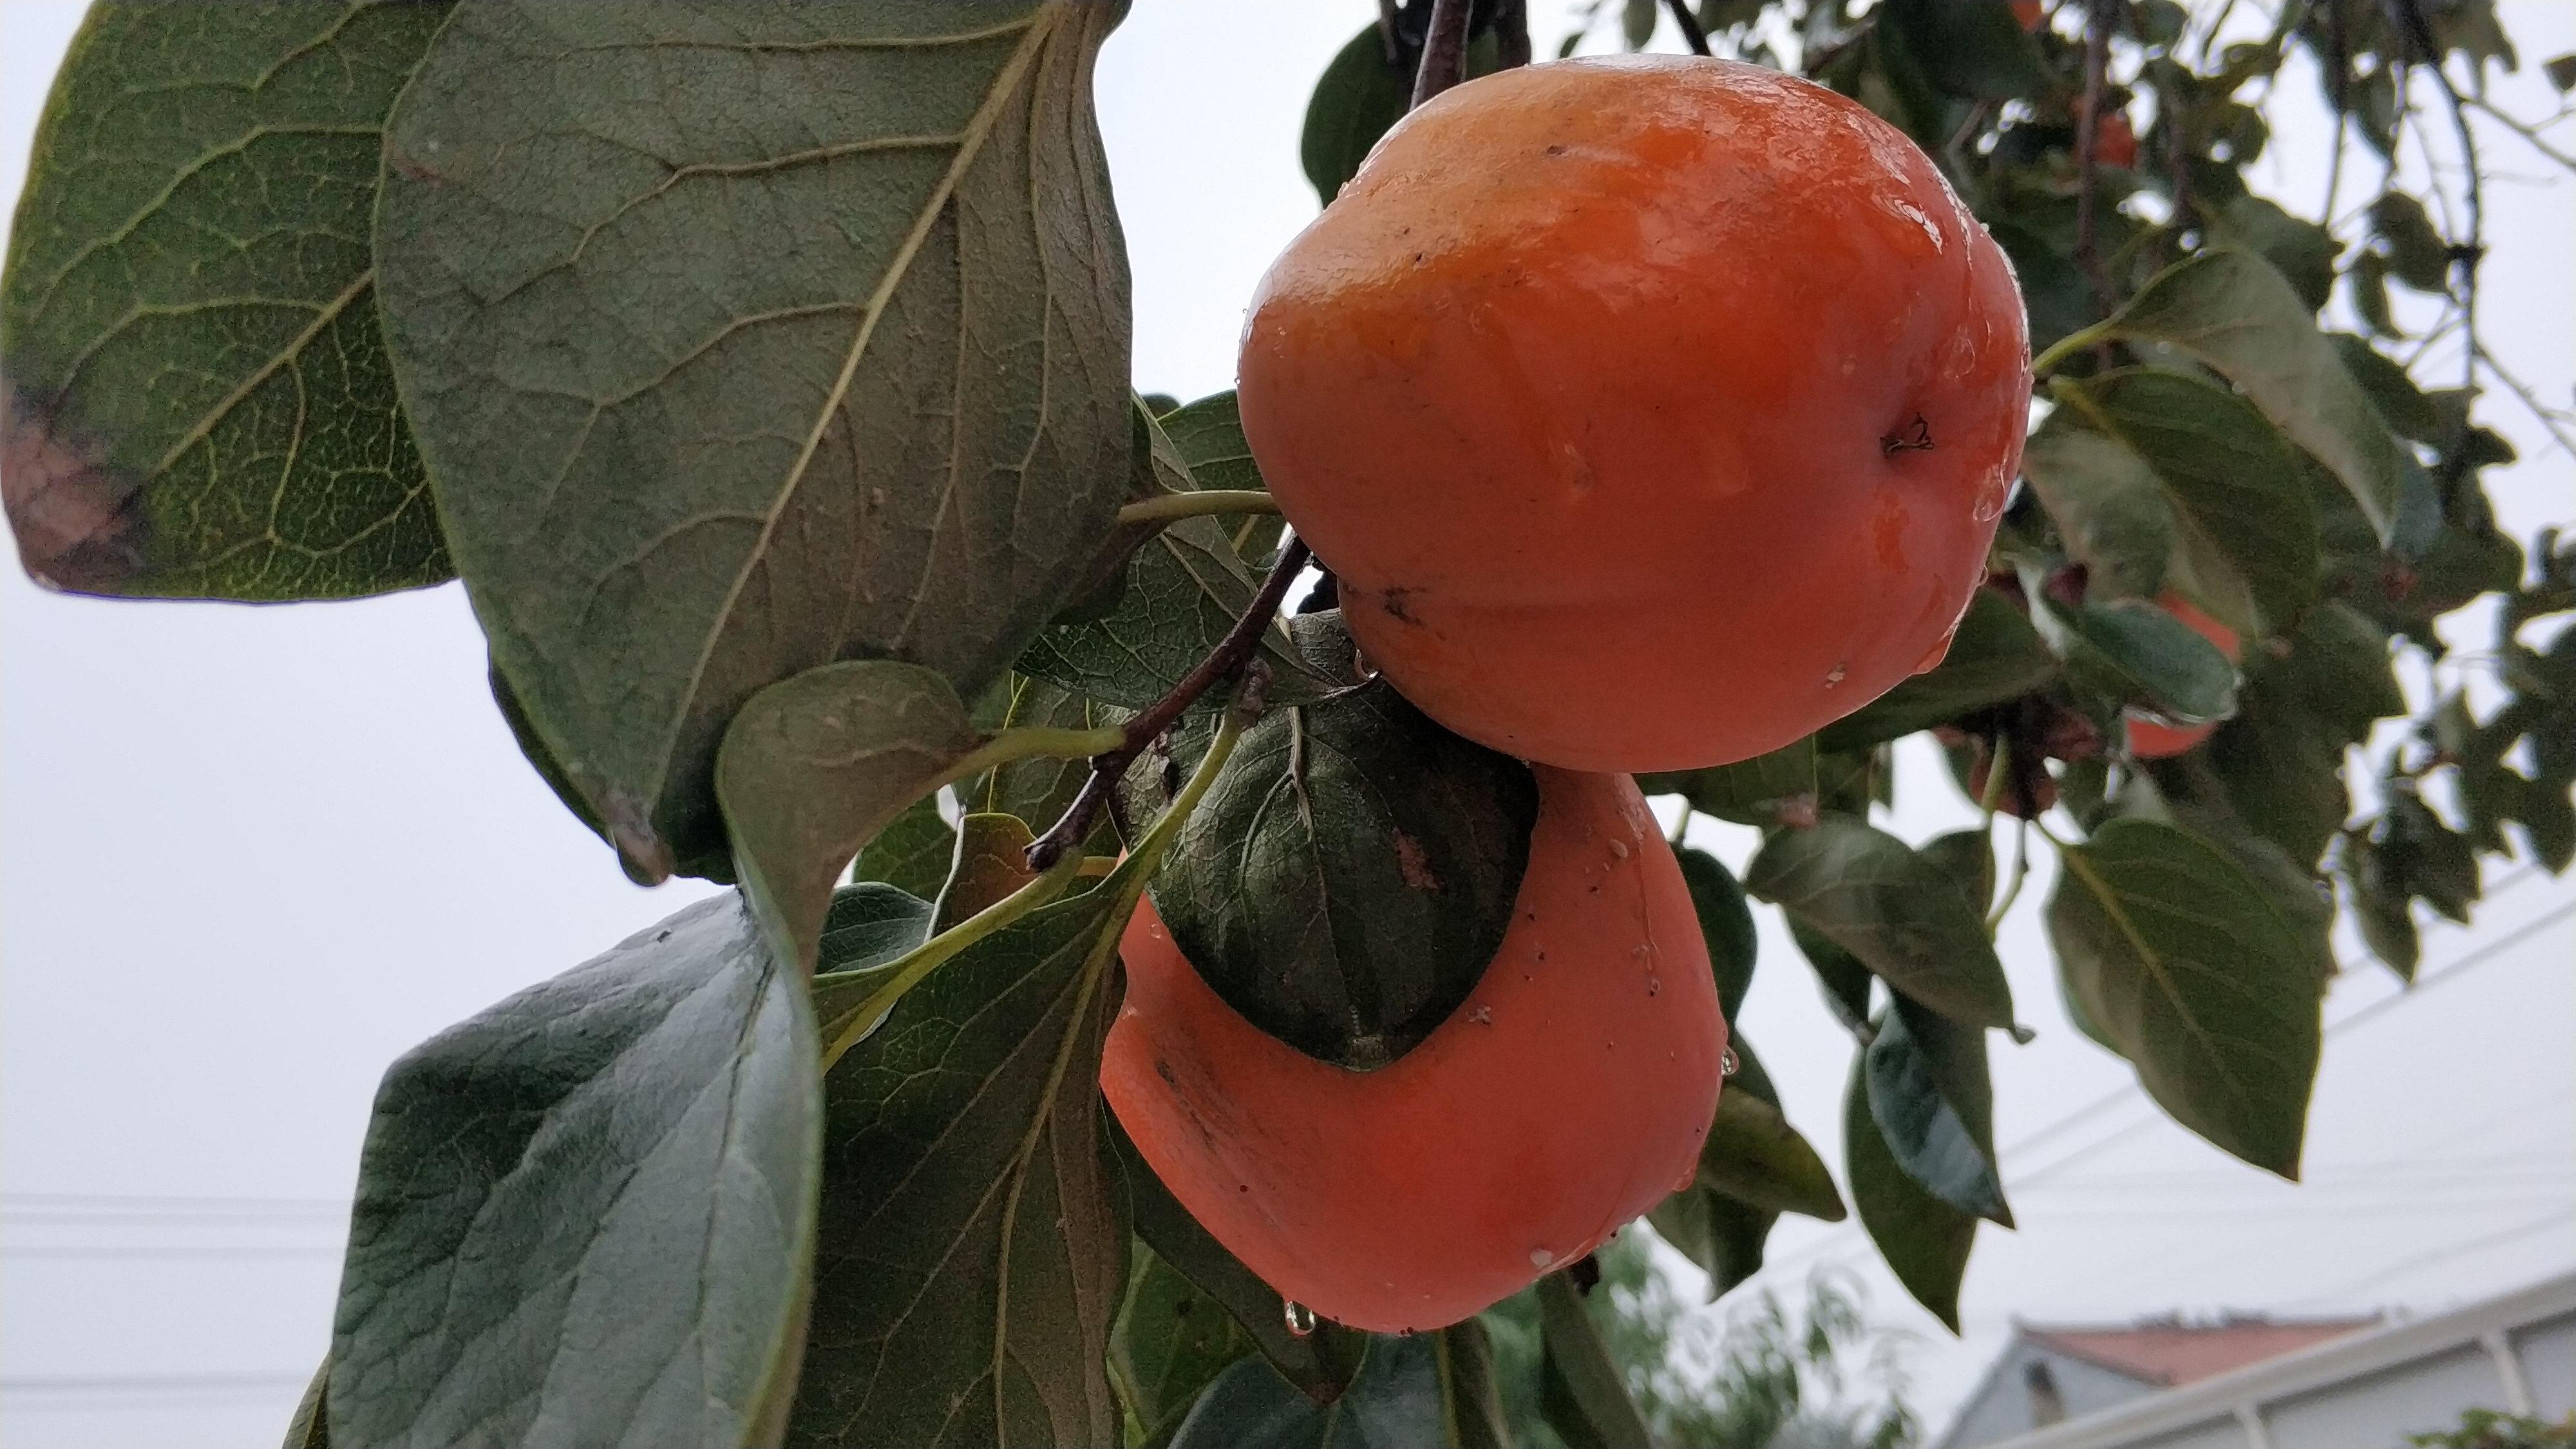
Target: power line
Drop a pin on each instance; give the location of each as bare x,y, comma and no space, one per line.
2443,1255
95,1252
147,1383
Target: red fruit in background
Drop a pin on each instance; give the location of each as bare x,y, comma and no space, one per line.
1652,412
1563,1098
2149,740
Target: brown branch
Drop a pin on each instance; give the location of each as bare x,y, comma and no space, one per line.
1444,50
2098,19
1692,35
1229,657
1511,34
1386,32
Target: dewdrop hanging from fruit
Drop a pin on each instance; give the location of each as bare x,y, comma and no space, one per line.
1652,411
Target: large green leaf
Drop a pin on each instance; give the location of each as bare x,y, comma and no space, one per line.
816,767
2282,757
1902,915
1185,587
310,1427
2107,505
1755,1157
1924,1240
588,1212
1170,1343
973,1251
2137,653
1995,656
2180,959
1413,1392
745,340
913,852
1771,789
194,396
1351,874
2244,530
1934,1105
2232,311
1725,923
1583,1393
1723,1236
1843,977
1320,1362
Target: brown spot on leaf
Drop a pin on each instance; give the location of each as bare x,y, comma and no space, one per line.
80,528
1414,864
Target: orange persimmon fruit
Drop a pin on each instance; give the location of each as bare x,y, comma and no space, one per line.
2151,740
1565,1096
1651,411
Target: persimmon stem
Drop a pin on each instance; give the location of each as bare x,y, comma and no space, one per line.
1223,662
1168,506
1692,35
1444,50
2012,890
2069,345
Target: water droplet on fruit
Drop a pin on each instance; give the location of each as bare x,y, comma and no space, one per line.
1690,1175
1834,677
1301,1319
1541,1257
1727,1063
1618,850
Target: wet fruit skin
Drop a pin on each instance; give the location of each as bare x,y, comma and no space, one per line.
1652,411
2149,740
1563,1099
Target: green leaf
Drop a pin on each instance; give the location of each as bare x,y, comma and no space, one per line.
1863,890
194,396
1754,1156
1972,48
2561,70
992,861
1934,1105
1185,588
1967,857
1593,1407
2302,251
972,1250
1039,788
1924,1240
2055,292
2416,253
1171,1341
1723,1236
1362,93
2244,530
820,765
1995,656
1351,874
631,1144
1842,976
2233,312
2281,758
2180,959
913,852
1725,923
680,461
2380,907
1321,1364
1401,1400
2106,502
1208,436
2430,858
1771,789
310,1428
2136,653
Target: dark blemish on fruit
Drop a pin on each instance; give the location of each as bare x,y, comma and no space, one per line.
1394,602
1914,439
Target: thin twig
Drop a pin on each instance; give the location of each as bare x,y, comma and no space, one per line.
2098,19
1692,35
1511,34
1386,32
2555,423
2526,130
1444,50
1229,656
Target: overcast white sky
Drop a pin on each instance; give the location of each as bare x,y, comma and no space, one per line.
248,856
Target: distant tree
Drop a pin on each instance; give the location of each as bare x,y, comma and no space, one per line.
2487,1429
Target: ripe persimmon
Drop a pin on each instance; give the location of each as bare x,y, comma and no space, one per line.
1566,1095
1651,411
2150,740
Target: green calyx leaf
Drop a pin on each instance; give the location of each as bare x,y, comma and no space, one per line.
1351,875
1924,1239
1933,1103
632,1143
2178,957
903,437
1996,656
195,400
1898,913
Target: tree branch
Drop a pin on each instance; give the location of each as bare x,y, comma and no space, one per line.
1230,655
2099,16
1444,50
1692,35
